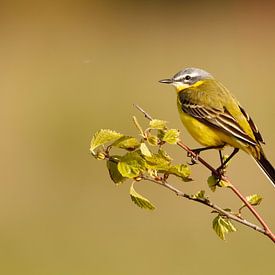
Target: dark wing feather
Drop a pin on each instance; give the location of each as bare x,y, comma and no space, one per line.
220,119
253,126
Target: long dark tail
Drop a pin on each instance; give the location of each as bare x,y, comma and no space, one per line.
267,168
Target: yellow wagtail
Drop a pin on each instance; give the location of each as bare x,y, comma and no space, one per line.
215,118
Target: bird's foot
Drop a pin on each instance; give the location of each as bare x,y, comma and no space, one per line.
220,177
193,158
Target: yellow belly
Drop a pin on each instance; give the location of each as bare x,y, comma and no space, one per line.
202,133
209,136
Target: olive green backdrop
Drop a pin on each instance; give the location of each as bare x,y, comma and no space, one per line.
70,68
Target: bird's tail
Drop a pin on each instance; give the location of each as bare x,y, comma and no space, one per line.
266,167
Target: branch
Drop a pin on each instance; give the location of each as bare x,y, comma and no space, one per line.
265,230
209,204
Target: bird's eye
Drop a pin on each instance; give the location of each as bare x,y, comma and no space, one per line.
188,77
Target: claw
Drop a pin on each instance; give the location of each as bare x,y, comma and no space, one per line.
194,159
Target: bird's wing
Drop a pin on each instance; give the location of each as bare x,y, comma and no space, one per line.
253,126
220,119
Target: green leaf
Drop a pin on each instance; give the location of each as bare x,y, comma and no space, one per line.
144,150
139,200
153,140
158,124
200,195
180,170
157,162
164,155
222,226
129,170
254,199
212,182
103,136
127,142
171,136
222,183
230,226
113,170
131,164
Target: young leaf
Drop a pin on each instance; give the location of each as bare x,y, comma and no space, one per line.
158,124
153,140
255,199
222,226
139,200
144,150
200,195
171,136
212,183
164,155
181,170
113,170
103,136
220,231
126,142
222,183
157,162
230,226
99,156
131,165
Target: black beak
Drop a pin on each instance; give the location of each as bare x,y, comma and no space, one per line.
166,81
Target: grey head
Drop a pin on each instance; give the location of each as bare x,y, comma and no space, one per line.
188,76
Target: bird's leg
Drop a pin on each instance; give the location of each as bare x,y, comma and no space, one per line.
221,168
197,151
221,156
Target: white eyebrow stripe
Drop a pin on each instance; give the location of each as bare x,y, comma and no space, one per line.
180,77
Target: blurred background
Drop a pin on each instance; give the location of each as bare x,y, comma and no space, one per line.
70,68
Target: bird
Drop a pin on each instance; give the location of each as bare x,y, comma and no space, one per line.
215,118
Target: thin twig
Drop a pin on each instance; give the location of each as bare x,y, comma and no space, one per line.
266,230
209,204
145,113
252,209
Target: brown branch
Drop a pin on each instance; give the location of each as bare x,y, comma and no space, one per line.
252,209
265,230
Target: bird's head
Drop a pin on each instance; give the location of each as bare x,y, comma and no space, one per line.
189,77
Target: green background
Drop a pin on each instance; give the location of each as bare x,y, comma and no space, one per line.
70,68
